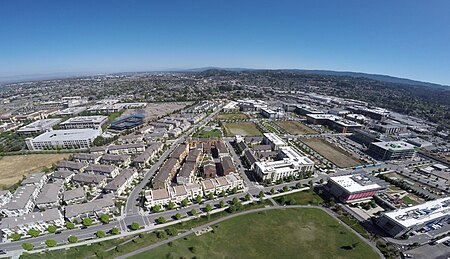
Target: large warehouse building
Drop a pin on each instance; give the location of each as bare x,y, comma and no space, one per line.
391,150
73,138
353,187
402,221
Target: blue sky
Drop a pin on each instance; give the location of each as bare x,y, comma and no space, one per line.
401,38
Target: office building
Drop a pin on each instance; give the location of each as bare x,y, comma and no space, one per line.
84,122
353,187
66,139
391,150
38,126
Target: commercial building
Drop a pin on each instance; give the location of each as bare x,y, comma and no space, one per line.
84,122
274,141
291,163
271,114
74,138
353,187
38,126
391,150
403,221
127,122
335,122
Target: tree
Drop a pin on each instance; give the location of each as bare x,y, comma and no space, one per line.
50,242
33,232
115,231
285,189
261,194
321,181
100,234
234,190
184,202
162,220
272,191
222,203
211,196
311,185
235,201
171,205
70,225
87,222
15,236
52,229
171,231
72,239
193,212
156,208
27,246
232,208
208,208
177,216
223,193
161,234
198,199
134,226
247,197
104,218
298,185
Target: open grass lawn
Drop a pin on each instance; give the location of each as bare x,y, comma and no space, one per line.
409,199
214,133
353,223
12,168
301,198
232,116
241,128
295,127
336,155
287,233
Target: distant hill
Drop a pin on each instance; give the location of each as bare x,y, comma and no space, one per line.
382,78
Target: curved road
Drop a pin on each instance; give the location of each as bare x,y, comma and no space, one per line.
141,250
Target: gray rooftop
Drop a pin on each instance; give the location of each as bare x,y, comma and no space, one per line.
42,216
74,194
20,198
93,206
100,168
49,193
88,178
33,178
120,180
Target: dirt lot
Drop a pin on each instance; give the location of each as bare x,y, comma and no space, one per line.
295,127
241,128
154,110
336,155
13,167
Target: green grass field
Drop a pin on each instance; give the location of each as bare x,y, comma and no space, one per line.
232,116
336,155
301,198
241,128
215,133
295,127
288,233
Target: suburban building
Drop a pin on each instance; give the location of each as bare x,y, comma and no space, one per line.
36,179
85,122
226,166
62,175
106,170
391,150
127,149
405,220
49,196
353,187
77,195
22,201
119,184
274,141
71,166
155,197
36,220
187,173
38,126
180,152
166,173
73,138
5,197
93,181
149,153
209,169
117,160
86,158
93,209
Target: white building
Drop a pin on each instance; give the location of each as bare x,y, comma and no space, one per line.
36,220
402,221
22,201
292,163
84,122
353,187
38,126
5,197
274,141
74,138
